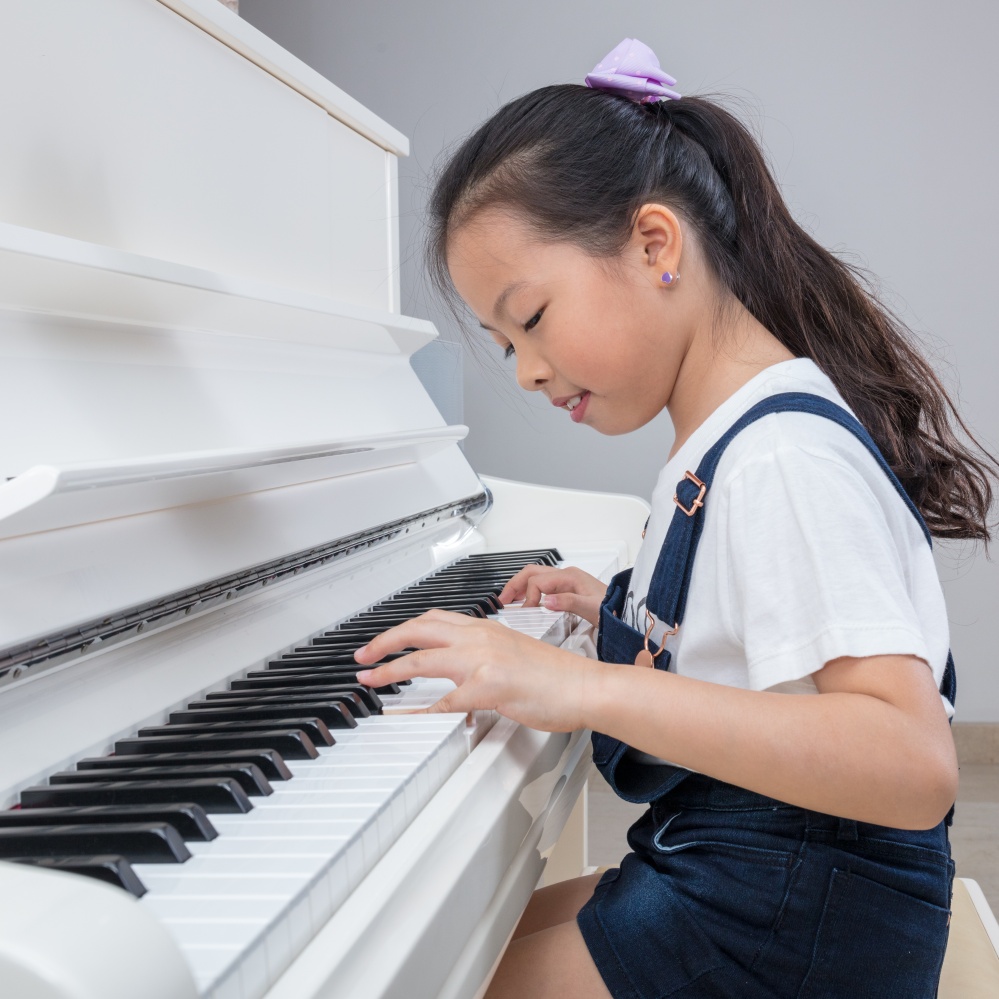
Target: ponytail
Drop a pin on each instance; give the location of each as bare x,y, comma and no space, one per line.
576,164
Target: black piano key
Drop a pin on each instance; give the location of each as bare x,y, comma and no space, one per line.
446,598
332,713
294,673
294,686
336,654
410,606
221,794
346,642
320,659
270,763
350,701
532,556
320,662
415,606
249,777
292,744
190,820
329,664
336,641
114,870
322,656
369,626
314,728
138,842
484,597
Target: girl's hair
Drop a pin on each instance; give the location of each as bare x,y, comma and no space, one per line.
576,164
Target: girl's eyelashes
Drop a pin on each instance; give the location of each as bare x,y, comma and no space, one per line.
509,350
533,321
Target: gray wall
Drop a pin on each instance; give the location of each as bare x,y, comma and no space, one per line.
879,116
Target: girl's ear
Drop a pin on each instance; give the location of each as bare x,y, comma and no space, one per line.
657,240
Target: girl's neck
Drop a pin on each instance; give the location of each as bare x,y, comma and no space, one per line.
720,360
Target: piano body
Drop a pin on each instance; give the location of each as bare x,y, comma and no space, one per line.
215,449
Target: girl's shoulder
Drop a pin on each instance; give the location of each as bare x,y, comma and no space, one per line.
787,432
793,460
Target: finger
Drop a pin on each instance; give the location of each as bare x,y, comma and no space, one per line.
571,603
432,630
557,581
517,586
434,663
449,704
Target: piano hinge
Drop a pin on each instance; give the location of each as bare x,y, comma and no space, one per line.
32,658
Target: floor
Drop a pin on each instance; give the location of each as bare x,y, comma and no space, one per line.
974,835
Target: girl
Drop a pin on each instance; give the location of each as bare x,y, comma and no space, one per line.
631,248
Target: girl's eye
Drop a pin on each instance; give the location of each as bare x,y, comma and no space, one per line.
508,352
533,321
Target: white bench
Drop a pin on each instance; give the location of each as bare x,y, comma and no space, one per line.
971,965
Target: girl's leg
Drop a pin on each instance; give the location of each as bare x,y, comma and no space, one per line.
555,904
552,963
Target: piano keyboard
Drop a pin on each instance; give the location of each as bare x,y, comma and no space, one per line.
244,832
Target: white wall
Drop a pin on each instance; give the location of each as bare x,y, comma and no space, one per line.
880,118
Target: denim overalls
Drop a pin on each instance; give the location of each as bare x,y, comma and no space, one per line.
728,893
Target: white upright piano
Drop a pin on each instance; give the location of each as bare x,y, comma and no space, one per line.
214,451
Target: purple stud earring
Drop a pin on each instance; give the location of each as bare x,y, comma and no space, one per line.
668,278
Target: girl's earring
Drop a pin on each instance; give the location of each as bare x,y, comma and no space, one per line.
668,278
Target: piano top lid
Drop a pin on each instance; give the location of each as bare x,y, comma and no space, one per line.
239,35
46,498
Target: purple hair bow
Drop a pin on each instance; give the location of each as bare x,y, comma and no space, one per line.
632,70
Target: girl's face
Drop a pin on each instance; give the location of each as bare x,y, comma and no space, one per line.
598,337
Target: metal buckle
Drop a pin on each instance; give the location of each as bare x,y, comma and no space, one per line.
646,657
699,502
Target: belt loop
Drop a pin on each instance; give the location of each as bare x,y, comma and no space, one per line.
846,829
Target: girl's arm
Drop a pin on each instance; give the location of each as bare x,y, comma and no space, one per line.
874,745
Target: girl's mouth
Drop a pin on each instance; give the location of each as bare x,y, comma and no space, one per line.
577,406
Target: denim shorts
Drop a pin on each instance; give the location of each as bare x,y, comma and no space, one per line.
730,894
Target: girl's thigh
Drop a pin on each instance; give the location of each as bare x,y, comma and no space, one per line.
552,963
555,904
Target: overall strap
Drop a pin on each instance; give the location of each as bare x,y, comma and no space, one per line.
667,597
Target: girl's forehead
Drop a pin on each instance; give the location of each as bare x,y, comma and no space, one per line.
491,235
496,245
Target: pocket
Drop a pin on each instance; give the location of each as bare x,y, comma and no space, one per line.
875,941
735,881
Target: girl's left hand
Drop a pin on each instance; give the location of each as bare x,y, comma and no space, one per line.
494,667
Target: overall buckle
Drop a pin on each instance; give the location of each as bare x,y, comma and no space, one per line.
698,502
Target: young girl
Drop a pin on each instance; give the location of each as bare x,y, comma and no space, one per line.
791,738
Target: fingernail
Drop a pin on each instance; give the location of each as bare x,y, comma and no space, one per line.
360,651
551,603
363,674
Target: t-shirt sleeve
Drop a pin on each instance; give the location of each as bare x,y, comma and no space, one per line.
814,570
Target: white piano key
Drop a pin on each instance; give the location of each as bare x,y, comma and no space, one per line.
276,874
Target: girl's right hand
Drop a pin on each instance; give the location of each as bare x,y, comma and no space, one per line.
569,590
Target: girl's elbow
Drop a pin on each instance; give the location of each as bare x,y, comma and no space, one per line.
937,791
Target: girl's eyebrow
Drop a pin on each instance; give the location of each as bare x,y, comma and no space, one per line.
504,295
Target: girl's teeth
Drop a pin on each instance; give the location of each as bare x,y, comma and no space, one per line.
573,402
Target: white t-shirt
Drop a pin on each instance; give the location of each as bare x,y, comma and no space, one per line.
808,552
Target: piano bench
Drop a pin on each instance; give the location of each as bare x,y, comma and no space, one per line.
971,964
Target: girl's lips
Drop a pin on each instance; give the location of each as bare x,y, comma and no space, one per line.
580,410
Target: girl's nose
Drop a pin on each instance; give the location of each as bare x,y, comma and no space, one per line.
533,373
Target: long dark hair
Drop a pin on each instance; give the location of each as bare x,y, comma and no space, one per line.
576,164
